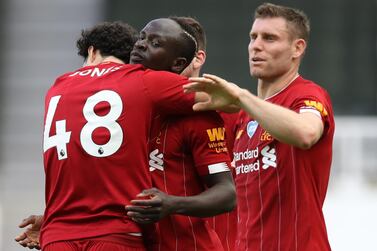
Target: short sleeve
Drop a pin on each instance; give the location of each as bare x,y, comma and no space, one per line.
206,138
314,100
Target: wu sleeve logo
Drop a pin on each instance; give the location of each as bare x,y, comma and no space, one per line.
317,105
156,161
217,139
216,134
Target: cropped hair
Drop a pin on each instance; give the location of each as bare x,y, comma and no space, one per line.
110,38
197,30
188,40
298,22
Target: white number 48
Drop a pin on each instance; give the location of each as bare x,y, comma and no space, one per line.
62,137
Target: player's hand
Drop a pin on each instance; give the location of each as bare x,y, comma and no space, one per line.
223,95
154,207
30,237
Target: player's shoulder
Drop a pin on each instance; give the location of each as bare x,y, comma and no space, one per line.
67,74
202,119
306,84
101,70
162,75
302,86
229,117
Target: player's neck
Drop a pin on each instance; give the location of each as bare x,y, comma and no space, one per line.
269,87
111,59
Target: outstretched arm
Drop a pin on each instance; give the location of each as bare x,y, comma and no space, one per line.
220,94
219,198
300,130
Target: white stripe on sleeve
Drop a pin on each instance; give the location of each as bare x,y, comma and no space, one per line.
218,168
314,111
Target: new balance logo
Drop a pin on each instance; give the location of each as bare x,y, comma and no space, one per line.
216,134
156,161
269,157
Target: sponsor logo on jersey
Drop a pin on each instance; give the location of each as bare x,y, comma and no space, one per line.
217,139
246,155
251,128
317,105
268,159
156,161
216,134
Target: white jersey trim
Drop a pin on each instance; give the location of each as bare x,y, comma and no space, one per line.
218,168
312,110
285,87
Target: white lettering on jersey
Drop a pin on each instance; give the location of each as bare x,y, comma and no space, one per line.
268,155
156,161
248,154
95,72
247,168
62,136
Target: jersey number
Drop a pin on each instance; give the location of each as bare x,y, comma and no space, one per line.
62,137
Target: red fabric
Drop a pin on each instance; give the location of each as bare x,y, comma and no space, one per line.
90,245
225,225
86,192
230,122
188,145
280,188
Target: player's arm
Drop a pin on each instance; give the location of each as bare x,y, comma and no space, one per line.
220,197
302,130
166,92
30,237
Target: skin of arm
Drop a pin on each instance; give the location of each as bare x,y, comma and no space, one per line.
220,197
300,130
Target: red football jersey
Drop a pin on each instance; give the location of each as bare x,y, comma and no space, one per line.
230,123
225,224
281,188
97,124
183,150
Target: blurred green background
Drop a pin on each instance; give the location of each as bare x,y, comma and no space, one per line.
341,55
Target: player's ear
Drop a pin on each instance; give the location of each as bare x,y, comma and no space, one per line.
299,47
199,59
179,65
91,55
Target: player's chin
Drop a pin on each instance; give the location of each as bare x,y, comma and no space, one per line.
256,74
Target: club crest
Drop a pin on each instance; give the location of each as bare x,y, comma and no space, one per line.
251,128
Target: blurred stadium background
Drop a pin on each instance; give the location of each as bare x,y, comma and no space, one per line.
38,43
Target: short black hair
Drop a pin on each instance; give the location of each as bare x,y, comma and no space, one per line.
110,38
196,28
188,39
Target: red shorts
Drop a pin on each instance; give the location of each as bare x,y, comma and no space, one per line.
89,245
114,242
